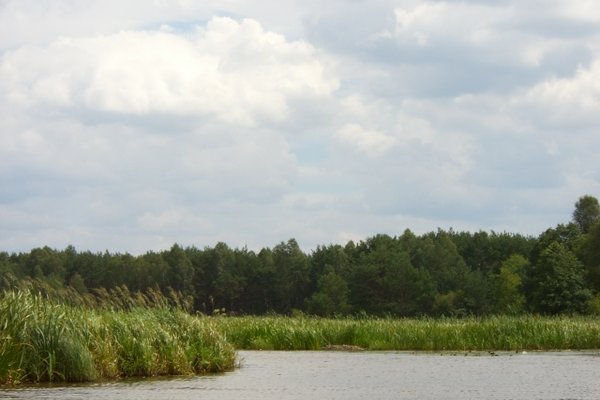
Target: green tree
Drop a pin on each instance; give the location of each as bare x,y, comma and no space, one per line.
586,213
486,251
384,281
569,235
326,259
437,253
292,275
590,254
77,283
458,291
116,269
89,266
558,284
9,273
258,282
262,282
331,297
181,270
508,282
50,263
153,270
230,281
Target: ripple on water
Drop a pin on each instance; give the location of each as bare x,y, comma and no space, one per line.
266,375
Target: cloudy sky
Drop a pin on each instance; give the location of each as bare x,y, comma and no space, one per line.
132,125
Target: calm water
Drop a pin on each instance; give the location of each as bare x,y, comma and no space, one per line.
269,375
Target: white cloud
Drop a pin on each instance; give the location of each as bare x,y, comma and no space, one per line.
371,142
494,34
234,71
130,126
583,10
168,220
573,100
432,21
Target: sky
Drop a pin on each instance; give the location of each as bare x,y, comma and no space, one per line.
131,125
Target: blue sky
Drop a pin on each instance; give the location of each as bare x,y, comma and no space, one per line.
129,126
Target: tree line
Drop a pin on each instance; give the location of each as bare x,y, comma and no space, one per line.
437,273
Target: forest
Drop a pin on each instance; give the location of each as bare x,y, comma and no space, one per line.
442,273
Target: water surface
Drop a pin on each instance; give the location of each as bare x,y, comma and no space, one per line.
266,375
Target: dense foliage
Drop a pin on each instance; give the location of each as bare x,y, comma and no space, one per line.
44,340
504,333
438,273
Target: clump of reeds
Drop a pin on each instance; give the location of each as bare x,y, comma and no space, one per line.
42,340
115,298
427,334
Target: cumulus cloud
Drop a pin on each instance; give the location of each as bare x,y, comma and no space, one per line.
567,101
151,130
434,21
132,126
233,71
491,34
373,143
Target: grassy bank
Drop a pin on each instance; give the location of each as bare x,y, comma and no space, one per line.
494,333
48,341
44,341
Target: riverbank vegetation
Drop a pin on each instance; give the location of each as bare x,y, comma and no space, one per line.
442,273
502,333
49,335
45,340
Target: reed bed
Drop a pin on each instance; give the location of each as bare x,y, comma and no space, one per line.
47,341
502,333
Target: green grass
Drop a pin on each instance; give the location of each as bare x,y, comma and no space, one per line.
46,341
427,334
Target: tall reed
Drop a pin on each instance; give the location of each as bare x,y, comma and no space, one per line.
45,341
427,334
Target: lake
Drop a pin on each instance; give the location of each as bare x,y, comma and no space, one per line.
267,375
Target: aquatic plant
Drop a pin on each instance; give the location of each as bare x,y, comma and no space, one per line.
426,334
42,340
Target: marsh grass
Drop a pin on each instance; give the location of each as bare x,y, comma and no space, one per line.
116,298
42,340
427,334
60,337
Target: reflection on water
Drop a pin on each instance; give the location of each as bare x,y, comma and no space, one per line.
267,375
